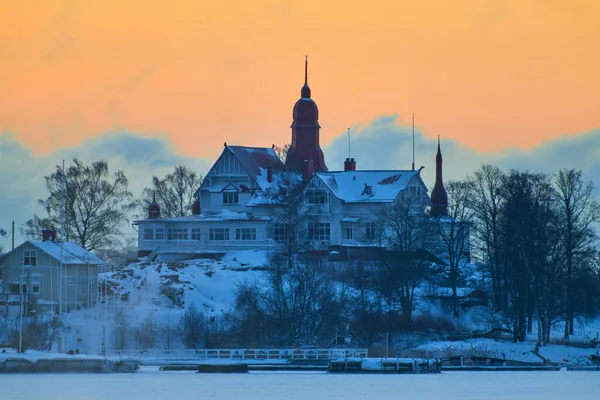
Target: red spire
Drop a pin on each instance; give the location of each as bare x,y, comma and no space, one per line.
439,197
305,92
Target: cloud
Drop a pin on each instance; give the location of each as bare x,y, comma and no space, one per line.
381,144
22,173
385,144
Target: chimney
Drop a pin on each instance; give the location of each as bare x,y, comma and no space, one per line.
196,209
269,173
48,234
349,164
308,170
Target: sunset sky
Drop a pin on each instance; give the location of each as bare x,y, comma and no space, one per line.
490,74
149,84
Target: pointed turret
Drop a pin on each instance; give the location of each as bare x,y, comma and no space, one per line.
439,197
305,132
153,208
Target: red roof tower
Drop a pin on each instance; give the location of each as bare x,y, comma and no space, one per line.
305,132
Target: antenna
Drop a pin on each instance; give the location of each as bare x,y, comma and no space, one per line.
413,141
348,142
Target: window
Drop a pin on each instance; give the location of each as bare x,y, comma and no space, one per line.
14,288
160,234
35,288
245,234
316,197
195,234
177,234
280,232
319,231
30,258
148,234
370,231
218,234
348,233
231,198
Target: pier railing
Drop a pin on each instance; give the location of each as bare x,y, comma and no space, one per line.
243,354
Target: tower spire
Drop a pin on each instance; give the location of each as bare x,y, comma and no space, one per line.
306,70
439,197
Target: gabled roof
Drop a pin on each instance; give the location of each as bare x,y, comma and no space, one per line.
253,159
367,186
72,253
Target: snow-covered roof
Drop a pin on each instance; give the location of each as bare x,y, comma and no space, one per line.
366,186
72,253
276,191
256,159
211,216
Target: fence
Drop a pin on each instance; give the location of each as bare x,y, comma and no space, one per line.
244,354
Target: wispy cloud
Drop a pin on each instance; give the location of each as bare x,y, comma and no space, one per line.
22,172
385,144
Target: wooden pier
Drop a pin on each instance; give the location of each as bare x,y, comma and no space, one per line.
484,363
67,365
386,365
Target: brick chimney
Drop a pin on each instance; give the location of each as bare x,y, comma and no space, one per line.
196,209
269,173
48,234
349,164
308,172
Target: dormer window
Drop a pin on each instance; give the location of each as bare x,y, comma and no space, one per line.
231,198
368,191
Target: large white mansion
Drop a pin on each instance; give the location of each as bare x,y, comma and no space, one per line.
244,198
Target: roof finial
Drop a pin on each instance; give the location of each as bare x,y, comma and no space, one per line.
154,196
305,70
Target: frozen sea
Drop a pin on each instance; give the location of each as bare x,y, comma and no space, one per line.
151,384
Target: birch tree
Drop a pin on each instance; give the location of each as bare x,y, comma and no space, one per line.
96,205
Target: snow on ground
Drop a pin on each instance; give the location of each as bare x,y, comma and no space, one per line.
521,351
161,292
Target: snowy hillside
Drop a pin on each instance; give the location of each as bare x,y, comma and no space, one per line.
205,283
158,294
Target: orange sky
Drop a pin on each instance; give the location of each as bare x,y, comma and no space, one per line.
490,73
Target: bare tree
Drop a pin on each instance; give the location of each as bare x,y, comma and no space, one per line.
300,302
251,320
192,328
145,333
96,205
167,334
405,265
452,234
486,201
2,234
174,193
288,214
38,333
579,212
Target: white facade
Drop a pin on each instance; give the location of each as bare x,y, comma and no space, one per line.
241,201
